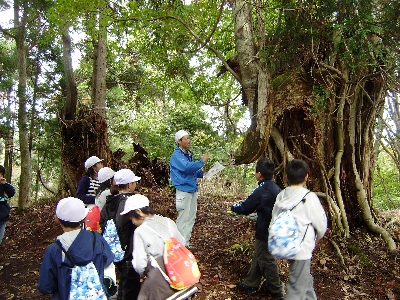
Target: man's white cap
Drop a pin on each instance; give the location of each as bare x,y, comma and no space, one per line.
91,161
134,202
180,134
71,209
105,174
125,176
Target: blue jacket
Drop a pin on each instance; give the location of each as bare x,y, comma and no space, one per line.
55,275
184,171
82,190
261,200
4,206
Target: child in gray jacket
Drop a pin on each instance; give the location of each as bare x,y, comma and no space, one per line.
311,220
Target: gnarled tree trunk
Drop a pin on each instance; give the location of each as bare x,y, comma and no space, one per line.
319,110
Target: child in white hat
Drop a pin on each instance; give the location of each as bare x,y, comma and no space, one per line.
125,182
149,240
88,184
82,246
105,177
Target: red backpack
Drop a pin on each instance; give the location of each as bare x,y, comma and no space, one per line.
92,220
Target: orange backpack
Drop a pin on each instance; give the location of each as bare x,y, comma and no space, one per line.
181,269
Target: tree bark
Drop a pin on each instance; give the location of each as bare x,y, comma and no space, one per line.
70,90
100,69
26,170
317,109
9,144
256,84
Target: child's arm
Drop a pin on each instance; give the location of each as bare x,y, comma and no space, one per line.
8,188
48,281
319,221
83,186
139,261
247,206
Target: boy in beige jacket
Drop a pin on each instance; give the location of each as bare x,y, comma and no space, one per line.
311,220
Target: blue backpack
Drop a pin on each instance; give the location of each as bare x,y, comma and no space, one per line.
284,241
111,236
85,280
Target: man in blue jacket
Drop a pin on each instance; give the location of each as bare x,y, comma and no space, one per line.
184,171
262,200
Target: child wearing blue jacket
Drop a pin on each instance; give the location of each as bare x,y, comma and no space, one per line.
55,270
6,191
262,200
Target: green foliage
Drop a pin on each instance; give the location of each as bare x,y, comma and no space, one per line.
386,183
322,96
354,250
8,57
235,249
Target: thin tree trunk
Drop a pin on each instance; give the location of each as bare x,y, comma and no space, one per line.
26,171
9,143
71,90
99,70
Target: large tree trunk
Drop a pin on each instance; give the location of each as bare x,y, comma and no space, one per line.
256,83
321,112
84,137
26,171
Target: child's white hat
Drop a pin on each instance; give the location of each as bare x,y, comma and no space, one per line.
134,202
105,174
91,161
71,209
125,176
180,134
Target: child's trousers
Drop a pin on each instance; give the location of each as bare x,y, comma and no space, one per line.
300,285
264,265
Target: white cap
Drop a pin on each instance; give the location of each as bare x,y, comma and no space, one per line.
91,161
125,176
71,210
180,134
134,202
105,174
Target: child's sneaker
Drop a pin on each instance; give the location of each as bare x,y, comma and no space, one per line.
248,289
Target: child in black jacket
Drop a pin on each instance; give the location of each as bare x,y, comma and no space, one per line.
262,200
6,192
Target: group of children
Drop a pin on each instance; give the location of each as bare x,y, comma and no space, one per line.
117,201
142,233
269,201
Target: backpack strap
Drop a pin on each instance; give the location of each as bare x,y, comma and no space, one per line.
65,252
155,264
302,199
153,261
169,227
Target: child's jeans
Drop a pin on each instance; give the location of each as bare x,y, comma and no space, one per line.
300,284
2,230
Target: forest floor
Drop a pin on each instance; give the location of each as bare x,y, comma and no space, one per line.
364,269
